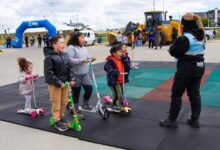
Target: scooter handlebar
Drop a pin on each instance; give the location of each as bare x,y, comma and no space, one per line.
67,84
29,77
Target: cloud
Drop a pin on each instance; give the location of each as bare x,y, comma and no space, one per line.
99,14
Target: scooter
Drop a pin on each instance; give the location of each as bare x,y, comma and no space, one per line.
125,109
36,111
103,111
75,123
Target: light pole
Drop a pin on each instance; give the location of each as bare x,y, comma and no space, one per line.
163,5
77,18
154,4
208,12
8,31
3,32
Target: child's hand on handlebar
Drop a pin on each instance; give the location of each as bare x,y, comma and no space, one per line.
93,59
72,83
123,73
63,85
35,76
85,61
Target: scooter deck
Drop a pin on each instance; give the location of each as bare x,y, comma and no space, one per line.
113,110
38,111
22,111
123,110
93,110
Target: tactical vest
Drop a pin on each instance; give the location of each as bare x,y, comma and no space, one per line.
195,47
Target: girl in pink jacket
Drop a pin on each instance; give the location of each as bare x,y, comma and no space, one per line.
25,81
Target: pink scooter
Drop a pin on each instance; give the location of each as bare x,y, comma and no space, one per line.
36,111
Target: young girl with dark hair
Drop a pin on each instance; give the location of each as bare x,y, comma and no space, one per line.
80,58
25,84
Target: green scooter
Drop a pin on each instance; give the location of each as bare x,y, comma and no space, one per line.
75,123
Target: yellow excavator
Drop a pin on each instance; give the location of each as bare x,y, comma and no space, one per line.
153,19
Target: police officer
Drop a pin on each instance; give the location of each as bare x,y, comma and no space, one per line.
189,51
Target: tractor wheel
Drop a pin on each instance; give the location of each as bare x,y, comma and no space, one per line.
163,38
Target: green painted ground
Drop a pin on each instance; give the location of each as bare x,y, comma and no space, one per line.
211,90
142,81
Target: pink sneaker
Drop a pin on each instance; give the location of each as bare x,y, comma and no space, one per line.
107,100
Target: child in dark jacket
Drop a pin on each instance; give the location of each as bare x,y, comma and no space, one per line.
126,61
151,39
115,70
57,71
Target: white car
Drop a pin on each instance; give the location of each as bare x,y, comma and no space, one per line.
209,33
89,37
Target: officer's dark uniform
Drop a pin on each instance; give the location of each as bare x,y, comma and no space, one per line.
189,51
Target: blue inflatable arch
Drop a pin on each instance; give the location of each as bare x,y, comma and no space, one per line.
33,24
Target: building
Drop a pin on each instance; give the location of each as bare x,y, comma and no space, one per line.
212,15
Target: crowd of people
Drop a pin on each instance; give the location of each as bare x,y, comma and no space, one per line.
71,64
45,39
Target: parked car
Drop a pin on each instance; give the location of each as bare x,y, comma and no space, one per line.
209,33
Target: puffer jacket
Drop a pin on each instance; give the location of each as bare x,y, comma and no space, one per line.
127,64
57,67
25,86
112,72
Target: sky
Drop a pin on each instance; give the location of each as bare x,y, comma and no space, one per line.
98,14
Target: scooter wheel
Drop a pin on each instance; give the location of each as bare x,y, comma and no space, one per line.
33,114
123,113
52,121
69,107
78,127
42,111
105,115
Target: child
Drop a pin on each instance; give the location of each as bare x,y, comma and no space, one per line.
115,70
126,60
57,70
25,82
151,39
79,59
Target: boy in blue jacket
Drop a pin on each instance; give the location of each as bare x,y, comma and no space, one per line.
115,70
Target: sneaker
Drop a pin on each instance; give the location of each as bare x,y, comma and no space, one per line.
86,106
193,123
64,122
168,123
28,110
116,107
79,114
60,126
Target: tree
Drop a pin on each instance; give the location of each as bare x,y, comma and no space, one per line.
205,21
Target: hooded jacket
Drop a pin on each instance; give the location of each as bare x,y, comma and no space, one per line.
57,67
127,65
77,55
113,72
25,86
